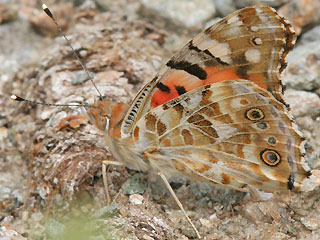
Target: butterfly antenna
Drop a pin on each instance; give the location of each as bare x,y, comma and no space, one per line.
20,99
49,13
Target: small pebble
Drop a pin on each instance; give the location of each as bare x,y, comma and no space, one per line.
136,199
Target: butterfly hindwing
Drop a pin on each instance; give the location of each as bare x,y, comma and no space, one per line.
231,133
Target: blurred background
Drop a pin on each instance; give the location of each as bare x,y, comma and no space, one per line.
50,165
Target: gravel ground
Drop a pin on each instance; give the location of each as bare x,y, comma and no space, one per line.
50,171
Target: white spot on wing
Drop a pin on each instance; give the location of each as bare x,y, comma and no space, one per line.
257,41
226,59
235,21
253,55
259,10
236,31
216,48
269,173
224,131
253,28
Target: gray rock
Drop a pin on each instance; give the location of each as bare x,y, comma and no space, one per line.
302,103
187,13
303,72
108,211
311,223
312,35
135,184
305,122
225,7
271,3
81,78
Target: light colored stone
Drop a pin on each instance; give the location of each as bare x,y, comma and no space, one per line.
312,35
136,199
247,3
303,71
311,223
191,14
305,122
302,103
225,7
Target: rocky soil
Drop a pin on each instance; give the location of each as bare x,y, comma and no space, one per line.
51,184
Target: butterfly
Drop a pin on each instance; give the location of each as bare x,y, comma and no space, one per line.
215,112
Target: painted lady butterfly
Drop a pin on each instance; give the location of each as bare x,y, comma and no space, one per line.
215,112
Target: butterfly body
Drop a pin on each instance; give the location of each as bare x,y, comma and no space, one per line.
215,111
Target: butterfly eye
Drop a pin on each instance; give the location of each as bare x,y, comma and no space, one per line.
107,121
270,157
102,122
254,114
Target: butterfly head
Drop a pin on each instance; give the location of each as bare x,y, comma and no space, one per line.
106,115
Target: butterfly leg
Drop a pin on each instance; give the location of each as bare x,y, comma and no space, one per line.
178,202
104,176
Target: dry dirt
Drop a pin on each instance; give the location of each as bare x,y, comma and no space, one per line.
50,178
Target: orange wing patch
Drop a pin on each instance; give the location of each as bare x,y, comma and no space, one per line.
179,82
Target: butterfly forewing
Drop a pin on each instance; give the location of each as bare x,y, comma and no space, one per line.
249,44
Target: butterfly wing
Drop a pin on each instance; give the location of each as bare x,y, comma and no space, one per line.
231,133
251,44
